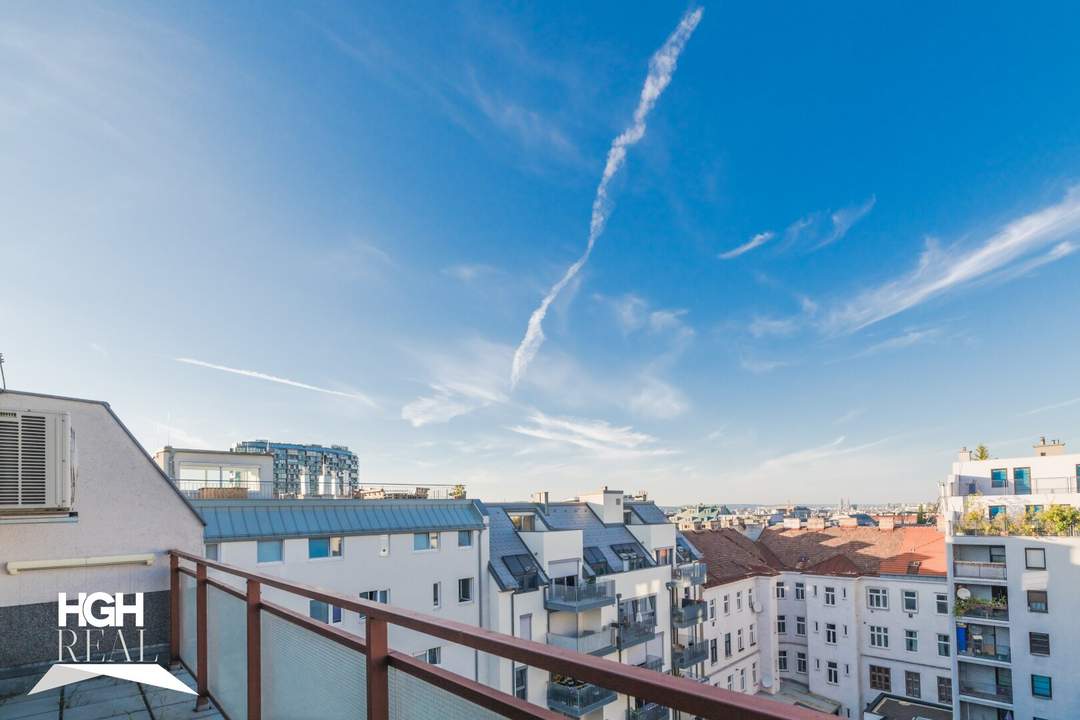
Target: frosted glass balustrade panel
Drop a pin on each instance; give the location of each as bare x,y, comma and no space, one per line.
306,676
187,622
226,651
414,699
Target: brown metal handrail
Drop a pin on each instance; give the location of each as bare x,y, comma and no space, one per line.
677,693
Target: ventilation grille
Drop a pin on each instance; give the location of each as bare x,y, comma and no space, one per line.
23,459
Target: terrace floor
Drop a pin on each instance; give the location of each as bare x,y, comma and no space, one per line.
101,698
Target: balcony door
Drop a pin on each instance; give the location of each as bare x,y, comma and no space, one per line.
1022,481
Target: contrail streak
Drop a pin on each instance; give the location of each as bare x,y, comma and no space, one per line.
661,67
284,381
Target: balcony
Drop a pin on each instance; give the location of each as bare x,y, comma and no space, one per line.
653,662
600,642
578,598
298,489
971,570
691,612
573,698
649,711
982,609
245,654
995,692
635,632
684,656
691,573
987,651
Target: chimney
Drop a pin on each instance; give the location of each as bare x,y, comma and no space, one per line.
608,505
1044,448
541,497
848,522
792,523
964,455
815,523
886,523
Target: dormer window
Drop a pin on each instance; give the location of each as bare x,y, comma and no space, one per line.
525,522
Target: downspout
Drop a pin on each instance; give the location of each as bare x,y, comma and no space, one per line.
480,584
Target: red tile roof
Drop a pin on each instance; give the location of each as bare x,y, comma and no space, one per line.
730,555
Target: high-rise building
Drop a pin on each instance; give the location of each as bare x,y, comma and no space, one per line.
1013,540
309,469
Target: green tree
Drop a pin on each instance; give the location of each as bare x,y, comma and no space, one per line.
981,453
1060,519
920,518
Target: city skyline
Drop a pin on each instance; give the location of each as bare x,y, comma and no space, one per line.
837,253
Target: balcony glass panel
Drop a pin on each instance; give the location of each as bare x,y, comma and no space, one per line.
599,642
986,690
979,570
226,643
577,699
306,675
690,612
684,656
692,573
583,596
630,633
411,697
188,651
649,711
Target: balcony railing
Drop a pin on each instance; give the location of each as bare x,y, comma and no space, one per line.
690,612
226,489
986,691
984,612
578,699
969,569
247,652
691,573
576,598
653,662
635,632
601,642
971,485
685,656
987,651
649,711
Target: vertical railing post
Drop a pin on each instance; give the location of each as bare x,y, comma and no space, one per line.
254,651
174,610
200,637
378,670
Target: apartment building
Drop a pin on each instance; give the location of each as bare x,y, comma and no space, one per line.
593,575
1012,538
309,469
83,509
424,555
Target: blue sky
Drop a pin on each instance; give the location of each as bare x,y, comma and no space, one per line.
842,248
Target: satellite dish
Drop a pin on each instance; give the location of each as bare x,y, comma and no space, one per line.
963,593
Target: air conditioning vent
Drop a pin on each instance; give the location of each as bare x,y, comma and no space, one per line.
37,467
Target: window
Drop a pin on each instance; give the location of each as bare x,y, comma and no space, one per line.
464,538
727,645
425,541
664,556
998,477
1037,601
335,615
730,682
525,626
995,510
832,673
212,551
782,661
379,596
781,624
800,625
911,640
738,637
880,678
318,610
800,662
877,598
943,645
912,684
431,657
781,591
738,601
436,595
911,601
269,551
521,682
879,636
1035,558
1039,643
830,596
800,591
753,638
830,633
714,653
1042,686
942,601
596,560
712,608
464,590
525,522
753,674
727,604
944,690
323,547
742,679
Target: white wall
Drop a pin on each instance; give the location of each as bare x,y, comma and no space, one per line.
718,624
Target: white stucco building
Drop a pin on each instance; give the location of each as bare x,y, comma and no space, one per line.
1012,578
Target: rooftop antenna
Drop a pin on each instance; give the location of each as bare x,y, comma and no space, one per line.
3,380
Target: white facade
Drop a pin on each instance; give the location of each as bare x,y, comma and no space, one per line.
740,633
1017,592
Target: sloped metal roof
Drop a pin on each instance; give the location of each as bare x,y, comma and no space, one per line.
682,542
648,512
504,541
253,519
578,516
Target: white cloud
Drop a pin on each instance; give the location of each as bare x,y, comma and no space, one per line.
814,454
756,241
661,67
280,380
849,416
467,272
1055,406
905,340
467,380
597,436
844,219
758,366
941,271
659,400
765,327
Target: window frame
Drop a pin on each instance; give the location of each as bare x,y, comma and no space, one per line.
941,598
879,636
1040,553
466,597
1031,643
1045,601
830,632
801,666
430,538
276,542
944,682
912,595
880,678
832,673
468,534
800,622
882,598
830,596
911,640
1049,687
909,676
